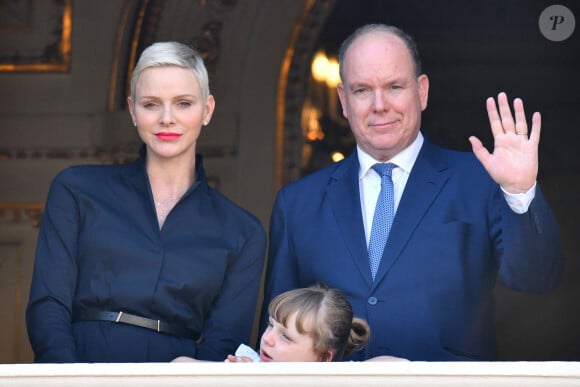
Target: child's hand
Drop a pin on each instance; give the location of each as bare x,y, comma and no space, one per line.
238,359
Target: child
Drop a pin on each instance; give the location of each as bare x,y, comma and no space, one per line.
306,325
311,324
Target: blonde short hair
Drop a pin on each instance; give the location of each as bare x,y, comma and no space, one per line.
166,54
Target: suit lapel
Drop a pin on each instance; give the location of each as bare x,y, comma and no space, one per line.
426,180
344,198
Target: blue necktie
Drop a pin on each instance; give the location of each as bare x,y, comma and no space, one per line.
383,218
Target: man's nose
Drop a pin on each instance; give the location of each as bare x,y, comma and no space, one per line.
379,101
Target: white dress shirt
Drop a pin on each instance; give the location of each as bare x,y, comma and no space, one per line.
370,183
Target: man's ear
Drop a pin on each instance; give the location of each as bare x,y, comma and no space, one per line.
341,97
423,83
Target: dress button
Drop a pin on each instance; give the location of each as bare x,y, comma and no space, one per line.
372,300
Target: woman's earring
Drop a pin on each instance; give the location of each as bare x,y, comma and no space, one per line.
134,124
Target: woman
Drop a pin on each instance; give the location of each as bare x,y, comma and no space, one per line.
145,262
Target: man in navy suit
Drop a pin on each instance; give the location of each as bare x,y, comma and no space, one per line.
461,219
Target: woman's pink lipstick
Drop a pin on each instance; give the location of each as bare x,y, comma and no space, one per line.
167,136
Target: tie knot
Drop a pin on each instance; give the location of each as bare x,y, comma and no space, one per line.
384,169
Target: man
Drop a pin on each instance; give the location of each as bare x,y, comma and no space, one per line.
458,222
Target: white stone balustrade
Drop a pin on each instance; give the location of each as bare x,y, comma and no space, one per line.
400,374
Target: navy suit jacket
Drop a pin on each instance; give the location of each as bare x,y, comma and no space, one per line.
452,235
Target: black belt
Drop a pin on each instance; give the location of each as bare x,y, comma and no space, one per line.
131,319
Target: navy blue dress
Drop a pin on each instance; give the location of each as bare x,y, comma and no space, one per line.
100,247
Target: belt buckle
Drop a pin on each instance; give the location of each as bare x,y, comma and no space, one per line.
118,319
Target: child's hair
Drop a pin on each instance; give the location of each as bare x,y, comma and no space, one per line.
325,315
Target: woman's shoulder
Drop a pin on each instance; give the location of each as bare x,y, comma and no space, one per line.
90,176
88,172
221,200
229,211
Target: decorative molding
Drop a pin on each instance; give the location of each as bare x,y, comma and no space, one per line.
208,42
55,55
292,84
118,54
117,154
18,212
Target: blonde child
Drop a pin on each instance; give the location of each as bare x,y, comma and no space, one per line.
311,324
308,325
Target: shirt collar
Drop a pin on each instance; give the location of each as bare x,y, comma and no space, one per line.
404,159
